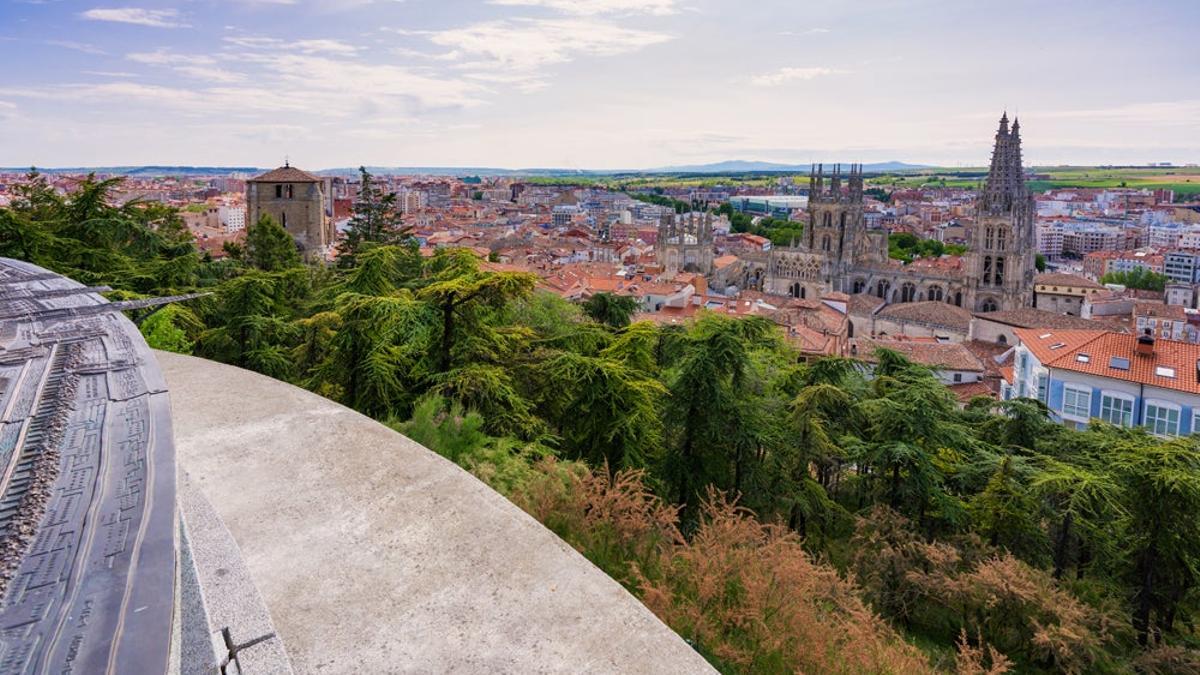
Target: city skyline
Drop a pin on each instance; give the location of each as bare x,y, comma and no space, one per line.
592,84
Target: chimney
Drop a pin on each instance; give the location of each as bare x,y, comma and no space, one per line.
1145,344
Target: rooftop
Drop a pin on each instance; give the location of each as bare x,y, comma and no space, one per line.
1170,365
286,174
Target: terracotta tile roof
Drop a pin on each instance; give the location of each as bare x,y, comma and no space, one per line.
931,312
941,355
1171,365
1048,344
965,391
1060,279
286,174
724,261
1159,310
864,304
1029,317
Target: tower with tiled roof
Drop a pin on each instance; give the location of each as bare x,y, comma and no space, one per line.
296,200
1000,265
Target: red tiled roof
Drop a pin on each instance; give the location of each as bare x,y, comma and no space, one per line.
1171,365
1061,279
965,391
286,174
947,355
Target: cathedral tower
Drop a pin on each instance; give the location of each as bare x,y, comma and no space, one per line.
1000,265
835,221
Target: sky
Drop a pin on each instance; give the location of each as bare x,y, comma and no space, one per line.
594,84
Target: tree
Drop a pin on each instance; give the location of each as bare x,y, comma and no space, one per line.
375,220
1039,261
1162,497
611,310
460,292
269,247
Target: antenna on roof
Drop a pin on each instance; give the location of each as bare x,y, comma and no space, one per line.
286,162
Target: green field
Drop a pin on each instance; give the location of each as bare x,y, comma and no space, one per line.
1185,181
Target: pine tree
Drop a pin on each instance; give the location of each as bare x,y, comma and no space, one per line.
376,220
269,247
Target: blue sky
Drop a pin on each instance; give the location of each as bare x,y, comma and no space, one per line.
593,83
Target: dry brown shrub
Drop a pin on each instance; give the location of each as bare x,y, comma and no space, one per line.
1022,610
1168,660
978,660
614,520
751,596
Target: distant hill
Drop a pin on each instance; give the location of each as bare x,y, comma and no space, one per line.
733,166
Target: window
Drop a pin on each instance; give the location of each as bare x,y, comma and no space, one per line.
1162,419
958,377
1195,422
1116,410
278,192
1164,371
1077,402
1043,381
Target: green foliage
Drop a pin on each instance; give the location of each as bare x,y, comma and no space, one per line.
611,310
1039,261
376,220
269,247
904,246
1140,278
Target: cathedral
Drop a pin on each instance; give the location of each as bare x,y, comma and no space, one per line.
838,253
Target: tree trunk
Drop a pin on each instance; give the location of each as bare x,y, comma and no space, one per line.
447,335
1061,546
894,500
1145,600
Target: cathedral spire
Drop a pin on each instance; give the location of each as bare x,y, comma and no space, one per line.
1006,179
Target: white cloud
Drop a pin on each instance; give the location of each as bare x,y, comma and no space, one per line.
531,44
196,66
784,75
156,18
77,46
593,7
110,73
316,46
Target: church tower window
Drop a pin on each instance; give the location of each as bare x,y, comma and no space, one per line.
999,271
987,270
1000,239
908,292
825,244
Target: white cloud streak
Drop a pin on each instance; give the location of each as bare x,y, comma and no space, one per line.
155,18
594,7
785,75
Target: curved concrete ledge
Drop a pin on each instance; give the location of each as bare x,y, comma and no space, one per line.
376,555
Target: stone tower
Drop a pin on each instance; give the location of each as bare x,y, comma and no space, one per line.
685,243
296,200
835,225
1000,265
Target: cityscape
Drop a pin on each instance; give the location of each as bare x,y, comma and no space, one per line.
599,336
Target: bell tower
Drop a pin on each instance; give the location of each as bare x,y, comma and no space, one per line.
835,220
1000,265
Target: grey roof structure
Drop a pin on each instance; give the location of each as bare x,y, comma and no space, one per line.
87,484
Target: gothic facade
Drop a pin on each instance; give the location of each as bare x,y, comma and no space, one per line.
685,243
838,253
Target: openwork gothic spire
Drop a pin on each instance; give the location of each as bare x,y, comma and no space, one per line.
1006,180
